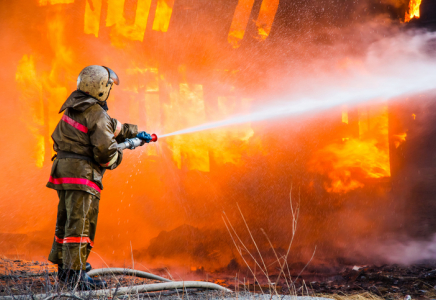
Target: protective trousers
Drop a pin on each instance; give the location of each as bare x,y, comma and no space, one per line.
75,229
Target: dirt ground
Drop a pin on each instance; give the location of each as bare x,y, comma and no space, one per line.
27,278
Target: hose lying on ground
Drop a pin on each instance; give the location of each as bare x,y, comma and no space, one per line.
127,272
168,285
160,287
127,290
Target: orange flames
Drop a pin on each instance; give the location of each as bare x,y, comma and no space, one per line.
413,11
192,151
32,99
241,18
399,139
350,163
163,15
267,13
123,28
45,2
175,74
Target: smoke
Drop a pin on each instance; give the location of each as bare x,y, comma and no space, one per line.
407,251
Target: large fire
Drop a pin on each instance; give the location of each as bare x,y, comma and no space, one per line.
181,64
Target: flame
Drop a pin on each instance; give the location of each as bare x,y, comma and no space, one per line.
349,163
239,22
92,17
241,17
265,20
399,139
45,85
52,2
345,114
226,139
163,15
140,78
191,150
413,11
55,84
121,28
32,105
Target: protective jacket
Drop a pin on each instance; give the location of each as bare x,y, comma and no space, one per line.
87,131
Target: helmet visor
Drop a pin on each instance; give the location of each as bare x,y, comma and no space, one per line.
112,76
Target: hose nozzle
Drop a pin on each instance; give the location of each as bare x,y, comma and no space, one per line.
146,137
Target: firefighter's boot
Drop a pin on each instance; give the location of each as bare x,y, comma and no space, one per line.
81,280
91,283
61,274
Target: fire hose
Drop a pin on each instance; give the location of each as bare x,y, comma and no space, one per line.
129,272
167,285
143,288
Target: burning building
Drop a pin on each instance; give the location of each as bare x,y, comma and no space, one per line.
362,172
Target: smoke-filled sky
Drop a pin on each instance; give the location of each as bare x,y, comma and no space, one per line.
186,63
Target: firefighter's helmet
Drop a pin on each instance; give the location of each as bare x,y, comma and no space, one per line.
97,81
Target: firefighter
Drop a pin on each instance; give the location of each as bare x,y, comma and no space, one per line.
85,141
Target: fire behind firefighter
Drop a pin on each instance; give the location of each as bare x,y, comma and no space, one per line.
85,141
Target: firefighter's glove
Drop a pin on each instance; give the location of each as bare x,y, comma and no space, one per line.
144,136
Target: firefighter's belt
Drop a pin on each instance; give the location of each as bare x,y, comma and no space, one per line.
64,154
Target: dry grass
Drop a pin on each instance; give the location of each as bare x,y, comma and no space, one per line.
261,268
358,296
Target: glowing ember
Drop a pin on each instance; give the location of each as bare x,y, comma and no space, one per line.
413,11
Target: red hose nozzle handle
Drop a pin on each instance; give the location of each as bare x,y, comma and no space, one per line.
154,137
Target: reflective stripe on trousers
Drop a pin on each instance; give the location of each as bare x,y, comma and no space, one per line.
75,229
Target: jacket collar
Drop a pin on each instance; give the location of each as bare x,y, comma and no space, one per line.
79,101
